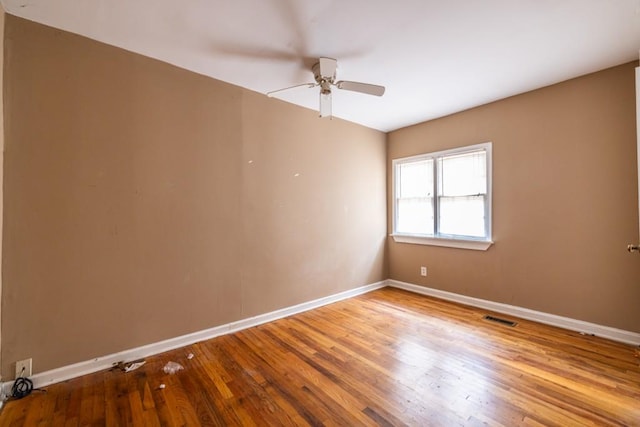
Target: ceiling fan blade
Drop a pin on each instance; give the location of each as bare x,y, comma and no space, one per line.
325,104
361,87
328,67
276,92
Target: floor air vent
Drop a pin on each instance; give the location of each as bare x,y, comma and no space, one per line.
499,320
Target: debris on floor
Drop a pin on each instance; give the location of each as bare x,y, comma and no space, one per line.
129,366
190,356
133,366
172,367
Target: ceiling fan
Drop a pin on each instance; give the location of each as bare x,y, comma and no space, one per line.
324,72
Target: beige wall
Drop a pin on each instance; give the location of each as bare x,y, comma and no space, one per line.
564,201
143,202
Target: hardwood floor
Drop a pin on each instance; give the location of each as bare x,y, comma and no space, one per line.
388,357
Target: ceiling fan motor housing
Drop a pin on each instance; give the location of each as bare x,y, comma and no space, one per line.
324,82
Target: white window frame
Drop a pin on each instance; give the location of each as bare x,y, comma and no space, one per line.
437,239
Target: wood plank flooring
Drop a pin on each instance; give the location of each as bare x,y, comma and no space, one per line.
385,358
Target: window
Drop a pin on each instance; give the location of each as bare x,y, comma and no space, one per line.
444,198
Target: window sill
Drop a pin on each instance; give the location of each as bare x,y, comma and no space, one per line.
476,245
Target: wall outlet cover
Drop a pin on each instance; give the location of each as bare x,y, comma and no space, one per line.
23,368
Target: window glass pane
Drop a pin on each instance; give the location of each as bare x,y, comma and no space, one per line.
415,197
462,216
415,215
463,174
416,179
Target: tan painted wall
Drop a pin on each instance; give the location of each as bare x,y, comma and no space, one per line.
143,202
564,202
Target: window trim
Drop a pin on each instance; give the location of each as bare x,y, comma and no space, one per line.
466,242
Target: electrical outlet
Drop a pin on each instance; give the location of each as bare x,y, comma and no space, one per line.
23,364
423,271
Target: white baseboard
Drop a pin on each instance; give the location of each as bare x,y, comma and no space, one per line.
104,362
525,313
63,373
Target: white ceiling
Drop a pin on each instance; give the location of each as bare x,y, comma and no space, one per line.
435,57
